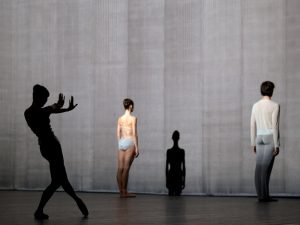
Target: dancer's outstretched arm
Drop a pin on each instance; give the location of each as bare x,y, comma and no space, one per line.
57,107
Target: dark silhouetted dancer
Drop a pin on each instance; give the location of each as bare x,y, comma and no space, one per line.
175,167
38,120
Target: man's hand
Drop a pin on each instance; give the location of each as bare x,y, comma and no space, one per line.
71,104
61,101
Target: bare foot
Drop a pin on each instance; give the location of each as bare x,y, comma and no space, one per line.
127,195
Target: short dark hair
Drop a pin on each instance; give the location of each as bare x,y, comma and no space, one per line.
127,102
39,91
267,88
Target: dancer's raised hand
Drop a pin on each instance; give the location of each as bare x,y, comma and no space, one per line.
61,100
71,104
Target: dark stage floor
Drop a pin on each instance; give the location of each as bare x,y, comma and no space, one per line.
17,209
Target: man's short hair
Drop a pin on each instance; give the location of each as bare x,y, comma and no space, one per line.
267,88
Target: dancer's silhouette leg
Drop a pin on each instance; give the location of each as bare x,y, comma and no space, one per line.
69,190
49,191
47,194
60,174
59,178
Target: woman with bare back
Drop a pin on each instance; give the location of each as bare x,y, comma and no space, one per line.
128,146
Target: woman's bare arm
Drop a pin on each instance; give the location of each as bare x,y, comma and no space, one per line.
118,130
135,136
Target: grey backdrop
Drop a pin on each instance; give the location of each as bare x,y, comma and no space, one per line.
190,65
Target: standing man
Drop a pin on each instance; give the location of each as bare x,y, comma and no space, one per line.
265,139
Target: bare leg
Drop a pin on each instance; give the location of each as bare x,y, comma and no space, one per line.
119,179
127,161
121,156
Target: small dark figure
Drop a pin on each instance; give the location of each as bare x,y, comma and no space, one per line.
38,120
175,167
